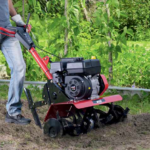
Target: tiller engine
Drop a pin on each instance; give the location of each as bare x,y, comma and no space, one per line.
72,91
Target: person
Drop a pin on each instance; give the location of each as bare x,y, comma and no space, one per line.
12,51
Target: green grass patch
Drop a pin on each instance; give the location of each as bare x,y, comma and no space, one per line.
2,58
35,91
137,104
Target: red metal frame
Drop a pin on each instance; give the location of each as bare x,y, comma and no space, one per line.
46,60
9,33
99,101
63,108
41,63
29,28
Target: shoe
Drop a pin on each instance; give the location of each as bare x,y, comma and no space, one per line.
18,119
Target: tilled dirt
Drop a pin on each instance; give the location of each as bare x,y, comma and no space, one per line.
132,134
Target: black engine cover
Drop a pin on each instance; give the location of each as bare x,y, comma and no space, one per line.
84,67
78,87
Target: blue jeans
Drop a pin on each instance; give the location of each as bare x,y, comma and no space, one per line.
13,54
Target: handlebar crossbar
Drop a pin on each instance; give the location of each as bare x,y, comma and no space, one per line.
7,31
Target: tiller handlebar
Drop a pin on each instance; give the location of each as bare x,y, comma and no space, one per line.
23,36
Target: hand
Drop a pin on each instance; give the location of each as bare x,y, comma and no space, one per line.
18,20
20,23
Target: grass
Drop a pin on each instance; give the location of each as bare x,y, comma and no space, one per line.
35,91
136,104
2,58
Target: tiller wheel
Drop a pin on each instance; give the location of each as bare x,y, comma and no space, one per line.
79,121
53,128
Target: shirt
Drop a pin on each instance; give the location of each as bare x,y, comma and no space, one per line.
4,13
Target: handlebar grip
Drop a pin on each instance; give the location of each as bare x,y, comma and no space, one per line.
28,19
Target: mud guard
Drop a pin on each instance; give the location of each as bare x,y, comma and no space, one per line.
64,107
95,102
104,85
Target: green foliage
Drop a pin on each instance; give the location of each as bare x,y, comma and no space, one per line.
35,91
86,39
137,105
2,59
133,66
137,18
3,91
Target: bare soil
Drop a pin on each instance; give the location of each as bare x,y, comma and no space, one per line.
132,134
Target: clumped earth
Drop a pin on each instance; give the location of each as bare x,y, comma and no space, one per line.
132,134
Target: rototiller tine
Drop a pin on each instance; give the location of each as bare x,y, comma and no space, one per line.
73,88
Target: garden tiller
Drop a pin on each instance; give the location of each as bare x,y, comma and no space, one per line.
73,89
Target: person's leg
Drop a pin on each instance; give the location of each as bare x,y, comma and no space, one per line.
13,54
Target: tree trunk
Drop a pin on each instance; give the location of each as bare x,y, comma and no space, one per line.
85,11
23,9
66,30
109,44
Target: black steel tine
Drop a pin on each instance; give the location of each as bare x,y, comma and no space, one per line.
31,106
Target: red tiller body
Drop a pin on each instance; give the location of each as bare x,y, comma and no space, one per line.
81,104
84,104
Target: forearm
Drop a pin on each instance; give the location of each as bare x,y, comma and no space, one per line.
12,10
14,16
